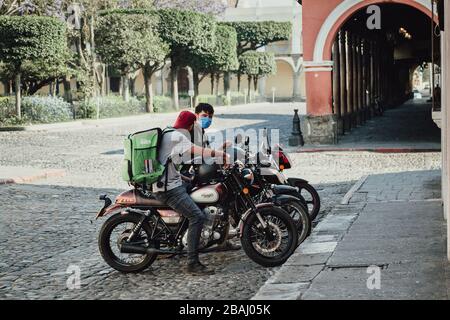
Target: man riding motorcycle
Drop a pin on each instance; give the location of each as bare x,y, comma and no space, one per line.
174,146
205,115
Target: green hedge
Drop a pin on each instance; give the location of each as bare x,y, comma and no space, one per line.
114,106
39,109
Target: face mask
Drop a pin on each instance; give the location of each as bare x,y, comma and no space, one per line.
205,122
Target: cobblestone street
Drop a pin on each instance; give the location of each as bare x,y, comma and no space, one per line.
46,226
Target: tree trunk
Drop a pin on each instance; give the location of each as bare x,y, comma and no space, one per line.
174,86
249,87
226,83
217,83
93,55
196,86
126,88
212,83
239,82
18,95
56,87
52,88
102,79
255,83
133,86
67,90
11,86
148,92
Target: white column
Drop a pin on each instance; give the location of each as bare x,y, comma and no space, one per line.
444,129
445,104
262,86
191,78
296,91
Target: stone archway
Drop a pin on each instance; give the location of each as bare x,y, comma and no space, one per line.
342,12
321,24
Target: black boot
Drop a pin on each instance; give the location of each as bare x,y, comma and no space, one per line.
198,269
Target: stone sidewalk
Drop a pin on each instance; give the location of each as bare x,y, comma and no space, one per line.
392,231
14,174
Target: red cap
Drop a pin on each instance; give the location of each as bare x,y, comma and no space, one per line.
185,120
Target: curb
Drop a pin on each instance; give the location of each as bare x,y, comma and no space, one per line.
10,129
348,196
375,150
26,179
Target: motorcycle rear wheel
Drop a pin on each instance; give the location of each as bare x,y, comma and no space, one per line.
104,244
255,243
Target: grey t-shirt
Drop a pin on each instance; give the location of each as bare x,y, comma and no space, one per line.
177,146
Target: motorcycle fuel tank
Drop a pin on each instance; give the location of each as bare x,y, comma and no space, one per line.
273,176
207,195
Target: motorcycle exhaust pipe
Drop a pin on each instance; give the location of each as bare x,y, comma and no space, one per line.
132,249
135,249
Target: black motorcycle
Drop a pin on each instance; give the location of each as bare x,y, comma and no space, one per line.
286,196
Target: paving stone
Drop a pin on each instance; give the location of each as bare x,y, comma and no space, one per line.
301,259
285,291
296,274
319,247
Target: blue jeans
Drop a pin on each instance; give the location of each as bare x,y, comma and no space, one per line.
180,201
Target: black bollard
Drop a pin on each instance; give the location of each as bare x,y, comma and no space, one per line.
296,138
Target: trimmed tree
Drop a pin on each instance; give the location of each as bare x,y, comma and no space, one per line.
253,35
204,6
221,58
186,32
30,38
129,41
256,65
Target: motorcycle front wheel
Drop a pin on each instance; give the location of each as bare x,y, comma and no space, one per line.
312,198
116,231
301,218
269,247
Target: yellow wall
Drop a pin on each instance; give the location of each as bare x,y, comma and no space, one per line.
283,81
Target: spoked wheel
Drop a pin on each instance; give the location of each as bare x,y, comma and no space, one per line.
312,199
114,233
301,218
272,246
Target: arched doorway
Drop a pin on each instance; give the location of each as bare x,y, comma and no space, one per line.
345,10
377,61
282,82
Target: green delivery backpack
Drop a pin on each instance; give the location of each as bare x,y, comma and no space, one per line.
141,149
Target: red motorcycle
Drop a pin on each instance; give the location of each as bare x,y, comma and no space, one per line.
281,161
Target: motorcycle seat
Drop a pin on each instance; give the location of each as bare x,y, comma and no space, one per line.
134,197
149,201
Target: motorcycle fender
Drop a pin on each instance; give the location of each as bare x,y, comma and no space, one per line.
109,210
249,212
296,181
281,200
284,189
